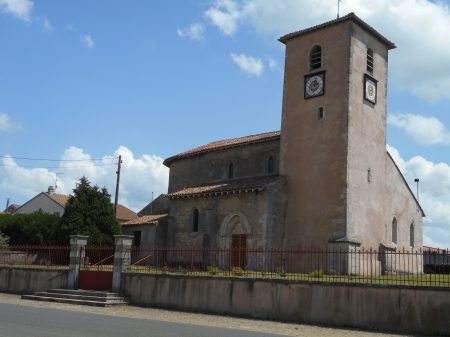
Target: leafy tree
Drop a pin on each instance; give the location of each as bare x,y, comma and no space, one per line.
29,229
88,212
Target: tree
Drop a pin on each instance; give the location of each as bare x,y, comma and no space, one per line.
29,229
88,212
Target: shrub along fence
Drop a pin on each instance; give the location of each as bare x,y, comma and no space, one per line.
395,267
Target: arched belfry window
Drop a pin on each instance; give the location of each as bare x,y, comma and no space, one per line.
195,221
271,165
411,235
370,61
231,171
315,58
394,230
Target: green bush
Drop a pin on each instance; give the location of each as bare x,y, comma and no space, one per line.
29,229
237,271
316,273
213,270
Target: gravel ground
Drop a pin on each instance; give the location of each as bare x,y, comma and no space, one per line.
285,329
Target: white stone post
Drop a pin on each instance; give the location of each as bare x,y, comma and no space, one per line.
76,242
122,259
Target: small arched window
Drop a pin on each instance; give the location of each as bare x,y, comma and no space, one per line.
231,171
315,58
411,235
271,165
394,230
370,61
195,221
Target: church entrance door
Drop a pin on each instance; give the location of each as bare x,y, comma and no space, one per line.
238,250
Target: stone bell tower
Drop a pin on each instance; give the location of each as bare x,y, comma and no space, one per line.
333,134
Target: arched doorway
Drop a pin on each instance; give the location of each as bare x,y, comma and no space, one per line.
235,234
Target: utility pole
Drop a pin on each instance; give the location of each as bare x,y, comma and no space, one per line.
151,205
338,8
117,185
417,181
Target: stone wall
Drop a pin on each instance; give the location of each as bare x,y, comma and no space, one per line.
390,309
26,281
248,161
261,213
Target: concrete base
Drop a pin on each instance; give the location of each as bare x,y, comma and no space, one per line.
383,308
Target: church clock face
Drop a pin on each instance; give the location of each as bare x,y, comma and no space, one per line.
370,89
314,84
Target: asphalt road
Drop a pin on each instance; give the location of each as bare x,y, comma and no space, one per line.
19,320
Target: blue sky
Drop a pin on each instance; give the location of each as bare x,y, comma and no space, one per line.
89,80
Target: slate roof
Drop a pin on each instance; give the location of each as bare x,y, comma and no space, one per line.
350,16
227,187
227,143
146,219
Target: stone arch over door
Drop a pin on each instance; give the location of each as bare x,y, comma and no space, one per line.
234,223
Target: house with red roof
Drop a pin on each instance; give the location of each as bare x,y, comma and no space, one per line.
54,203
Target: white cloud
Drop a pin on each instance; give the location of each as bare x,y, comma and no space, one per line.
47,25
138,178
194,31
248,64
273,65
71,27
87,40
6,125
19,8
424,130
434,195
419,28
225,15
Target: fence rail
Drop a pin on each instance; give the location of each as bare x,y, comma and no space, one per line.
384,266
54,257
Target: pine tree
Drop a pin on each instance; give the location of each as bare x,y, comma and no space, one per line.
88,212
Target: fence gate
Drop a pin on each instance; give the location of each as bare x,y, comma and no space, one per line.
96,268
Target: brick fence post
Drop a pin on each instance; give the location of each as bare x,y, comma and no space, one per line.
122,258
76,241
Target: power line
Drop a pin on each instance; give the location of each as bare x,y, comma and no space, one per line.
60,167
60,159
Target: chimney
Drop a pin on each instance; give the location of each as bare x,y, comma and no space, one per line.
51,190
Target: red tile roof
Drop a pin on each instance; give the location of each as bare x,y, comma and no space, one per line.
227,186
124,213
227,143
146,219
350,16
60,198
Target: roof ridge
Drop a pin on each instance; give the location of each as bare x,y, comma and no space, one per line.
225,143
349,16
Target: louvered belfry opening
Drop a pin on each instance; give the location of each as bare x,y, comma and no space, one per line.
370,61
315,58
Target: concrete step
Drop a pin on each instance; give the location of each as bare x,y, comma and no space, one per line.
72,301
83,292
83,297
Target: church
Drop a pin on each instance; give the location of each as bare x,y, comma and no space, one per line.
324,180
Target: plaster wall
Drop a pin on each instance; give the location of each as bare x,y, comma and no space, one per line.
248,161
26,281
390,309
148,232
313,152
376,190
